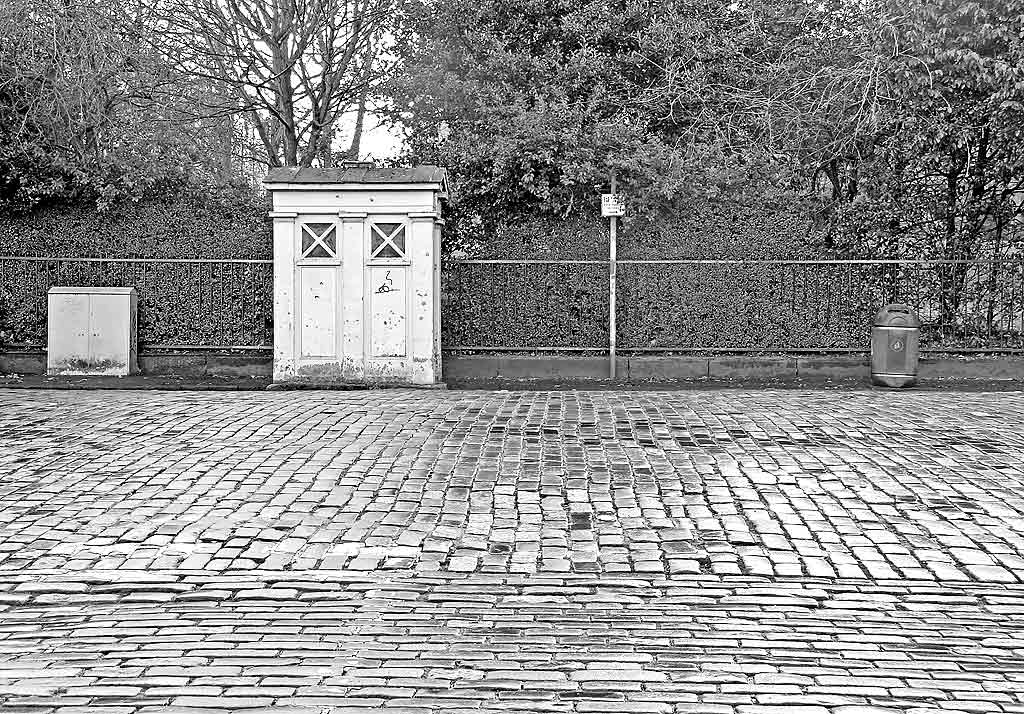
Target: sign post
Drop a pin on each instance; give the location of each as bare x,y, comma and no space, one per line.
612,206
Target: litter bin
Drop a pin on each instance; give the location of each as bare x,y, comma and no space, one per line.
894,346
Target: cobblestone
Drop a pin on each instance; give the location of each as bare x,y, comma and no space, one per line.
484,642
738,552
922,486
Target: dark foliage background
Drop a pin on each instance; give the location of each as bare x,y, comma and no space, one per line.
179,303
218,225
663,305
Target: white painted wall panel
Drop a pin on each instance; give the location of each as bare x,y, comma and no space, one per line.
369,201
352,305
389,302
285,276
318,337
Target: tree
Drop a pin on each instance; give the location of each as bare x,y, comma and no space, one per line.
88,111
533,103
946,177
293,67
904,118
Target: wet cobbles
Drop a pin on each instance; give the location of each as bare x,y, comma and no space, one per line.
350,643
886,486
924,486
422,552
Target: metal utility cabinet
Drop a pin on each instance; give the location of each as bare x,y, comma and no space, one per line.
356,274
92,331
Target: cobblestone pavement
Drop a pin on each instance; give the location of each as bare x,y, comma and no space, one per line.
746,552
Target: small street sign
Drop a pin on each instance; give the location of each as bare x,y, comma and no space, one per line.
613,204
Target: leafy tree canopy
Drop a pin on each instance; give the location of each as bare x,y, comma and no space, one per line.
900,119
87,111
532,103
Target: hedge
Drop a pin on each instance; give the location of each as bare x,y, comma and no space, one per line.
224,304
524,305
710,228
227,226
747,306
688,306
178,304
567,305
728,306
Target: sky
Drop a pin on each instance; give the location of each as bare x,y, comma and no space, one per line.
379,142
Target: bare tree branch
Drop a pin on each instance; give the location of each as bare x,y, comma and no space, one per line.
294,66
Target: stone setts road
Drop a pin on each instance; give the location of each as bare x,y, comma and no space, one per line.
733,551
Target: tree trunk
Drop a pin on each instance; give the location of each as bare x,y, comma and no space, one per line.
227,130
326,156
357,133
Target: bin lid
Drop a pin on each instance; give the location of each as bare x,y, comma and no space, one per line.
897,315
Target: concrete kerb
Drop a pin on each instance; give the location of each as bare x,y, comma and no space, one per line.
725,368
973,367
160,362
752,367
23,362
569,369
643,368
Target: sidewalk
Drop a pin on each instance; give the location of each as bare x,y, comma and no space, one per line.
153,382
191,383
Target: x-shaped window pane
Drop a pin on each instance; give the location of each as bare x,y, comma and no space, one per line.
387,240
318,240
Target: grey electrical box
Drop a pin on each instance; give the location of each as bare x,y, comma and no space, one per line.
92,331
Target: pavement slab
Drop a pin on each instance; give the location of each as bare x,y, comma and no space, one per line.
741,551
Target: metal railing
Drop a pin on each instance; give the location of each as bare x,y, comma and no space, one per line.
183,303
728,305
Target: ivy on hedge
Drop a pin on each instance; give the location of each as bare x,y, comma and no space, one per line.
231,224
658,306
178,303
524,305
691,306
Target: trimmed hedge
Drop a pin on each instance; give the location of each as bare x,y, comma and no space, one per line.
723,306
686,306
758,305
229,304
178,304
524,305
567,305
228,226
711,228
723,230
